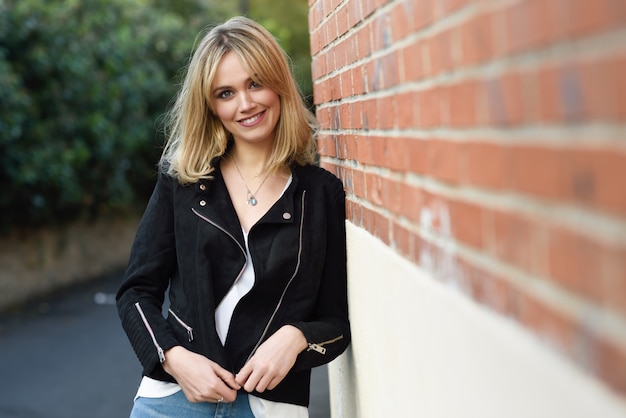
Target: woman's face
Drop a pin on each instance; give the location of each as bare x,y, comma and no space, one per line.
248,110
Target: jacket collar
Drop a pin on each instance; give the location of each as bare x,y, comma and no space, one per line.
213,202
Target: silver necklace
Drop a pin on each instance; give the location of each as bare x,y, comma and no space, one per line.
250,197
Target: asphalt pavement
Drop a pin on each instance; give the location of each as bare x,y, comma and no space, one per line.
66,356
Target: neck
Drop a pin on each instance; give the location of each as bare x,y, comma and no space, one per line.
252,160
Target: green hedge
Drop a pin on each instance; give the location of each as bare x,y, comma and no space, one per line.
82,86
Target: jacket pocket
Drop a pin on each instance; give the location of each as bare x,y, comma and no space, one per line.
183,324
151,332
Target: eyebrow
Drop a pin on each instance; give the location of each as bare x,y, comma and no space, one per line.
226,87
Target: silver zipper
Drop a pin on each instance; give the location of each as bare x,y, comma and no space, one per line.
149,328
187,327
233,238
319,347
293,276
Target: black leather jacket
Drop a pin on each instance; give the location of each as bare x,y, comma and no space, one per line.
190,239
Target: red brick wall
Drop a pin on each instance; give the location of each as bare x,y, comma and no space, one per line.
485,141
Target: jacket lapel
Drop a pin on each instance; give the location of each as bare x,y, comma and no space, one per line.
213,202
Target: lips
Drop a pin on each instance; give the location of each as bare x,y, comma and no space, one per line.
252,120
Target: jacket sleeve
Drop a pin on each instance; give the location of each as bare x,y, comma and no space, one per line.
140,297
328,334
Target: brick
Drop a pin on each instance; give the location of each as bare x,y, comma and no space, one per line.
417,151
440,47
370,114
412,202
374,189
351,147
334,116
354,213
484,164
401,240
364,149
552,326
343,23
549,99
534,23
539,171
599,79
367,7
504,100
363,42
462,104
358,183
335,88
575,262
594,178
508,237
386,109
351,49
358,81
585,17
392,194
443,160
396,156
405,114
467,223
376,224
435,214
477,38
620,87
401,19
354,13
429,107
341,59
346,84
413,64
451,6
610,363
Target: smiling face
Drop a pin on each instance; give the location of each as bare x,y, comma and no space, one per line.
248,111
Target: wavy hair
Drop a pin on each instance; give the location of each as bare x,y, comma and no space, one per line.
196,136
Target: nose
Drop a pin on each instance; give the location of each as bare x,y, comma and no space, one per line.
245,101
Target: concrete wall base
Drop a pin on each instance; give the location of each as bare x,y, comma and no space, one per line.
35,263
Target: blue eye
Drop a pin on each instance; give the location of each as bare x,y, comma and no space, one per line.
255,85
224,94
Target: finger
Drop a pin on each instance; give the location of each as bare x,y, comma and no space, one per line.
223,393
228,378
263,383
274,382
242,377
252,381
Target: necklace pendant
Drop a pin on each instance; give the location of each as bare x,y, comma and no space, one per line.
252,201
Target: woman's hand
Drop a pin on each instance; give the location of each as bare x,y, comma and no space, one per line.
272,360
201,379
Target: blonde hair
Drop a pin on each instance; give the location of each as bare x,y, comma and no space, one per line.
195,135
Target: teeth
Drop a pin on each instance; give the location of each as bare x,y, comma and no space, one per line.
252,119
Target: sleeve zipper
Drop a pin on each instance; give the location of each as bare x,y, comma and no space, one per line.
154,341
319,347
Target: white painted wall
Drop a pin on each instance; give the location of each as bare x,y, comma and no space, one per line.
421,349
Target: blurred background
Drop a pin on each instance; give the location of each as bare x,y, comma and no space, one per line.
83,87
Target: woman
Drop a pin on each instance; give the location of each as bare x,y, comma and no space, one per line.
249,238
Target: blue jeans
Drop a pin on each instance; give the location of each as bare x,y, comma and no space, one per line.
177,406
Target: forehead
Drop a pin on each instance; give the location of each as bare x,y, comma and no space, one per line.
230,71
